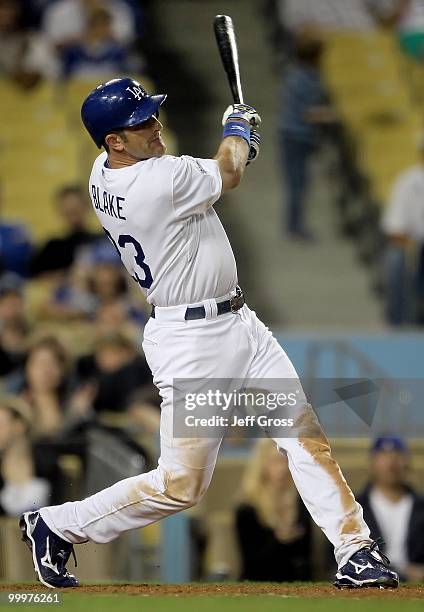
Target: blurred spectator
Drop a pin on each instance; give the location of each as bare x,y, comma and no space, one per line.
386,12
393,510
21,489
143,412
13,345
350,15
109,285
304,111
403,224
12,304
44,386
14,328
65,21
116,370
108,280
273,525
25,56
58,254
407,17
97,55
71,298
114,315
15,242
96,287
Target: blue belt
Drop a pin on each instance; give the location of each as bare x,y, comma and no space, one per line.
199,312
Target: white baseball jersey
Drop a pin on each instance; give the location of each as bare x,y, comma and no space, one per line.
159,215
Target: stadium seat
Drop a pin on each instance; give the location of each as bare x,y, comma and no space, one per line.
364,74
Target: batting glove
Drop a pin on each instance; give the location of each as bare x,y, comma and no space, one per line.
237,112
255,144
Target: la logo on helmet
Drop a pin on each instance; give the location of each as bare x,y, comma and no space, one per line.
137,92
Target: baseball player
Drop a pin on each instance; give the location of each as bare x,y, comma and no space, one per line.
159,212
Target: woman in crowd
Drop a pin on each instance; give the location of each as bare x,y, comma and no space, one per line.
45,385
273,526
21,486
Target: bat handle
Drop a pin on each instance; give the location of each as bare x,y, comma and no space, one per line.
238,94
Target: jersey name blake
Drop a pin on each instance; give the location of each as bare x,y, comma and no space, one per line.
111,203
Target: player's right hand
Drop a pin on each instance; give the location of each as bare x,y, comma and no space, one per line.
244,112
255,145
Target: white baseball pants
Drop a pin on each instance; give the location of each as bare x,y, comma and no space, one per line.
231,346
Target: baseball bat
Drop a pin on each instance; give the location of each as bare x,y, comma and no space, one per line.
227,45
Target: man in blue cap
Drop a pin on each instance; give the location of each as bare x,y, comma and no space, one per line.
393,510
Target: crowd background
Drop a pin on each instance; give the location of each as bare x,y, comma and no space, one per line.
78,409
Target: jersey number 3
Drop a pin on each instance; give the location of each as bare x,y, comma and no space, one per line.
123,241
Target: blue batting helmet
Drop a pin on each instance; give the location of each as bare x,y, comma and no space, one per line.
119,103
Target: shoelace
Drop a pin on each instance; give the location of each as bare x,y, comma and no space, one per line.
375,547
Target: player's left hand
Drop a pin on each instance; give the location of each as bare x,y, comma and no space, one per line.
255,144
242,112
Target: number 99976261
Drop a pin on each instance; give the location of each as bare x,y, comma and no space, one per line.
30,598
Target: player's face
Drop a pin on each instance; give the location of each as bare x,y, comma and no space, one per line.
145,140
